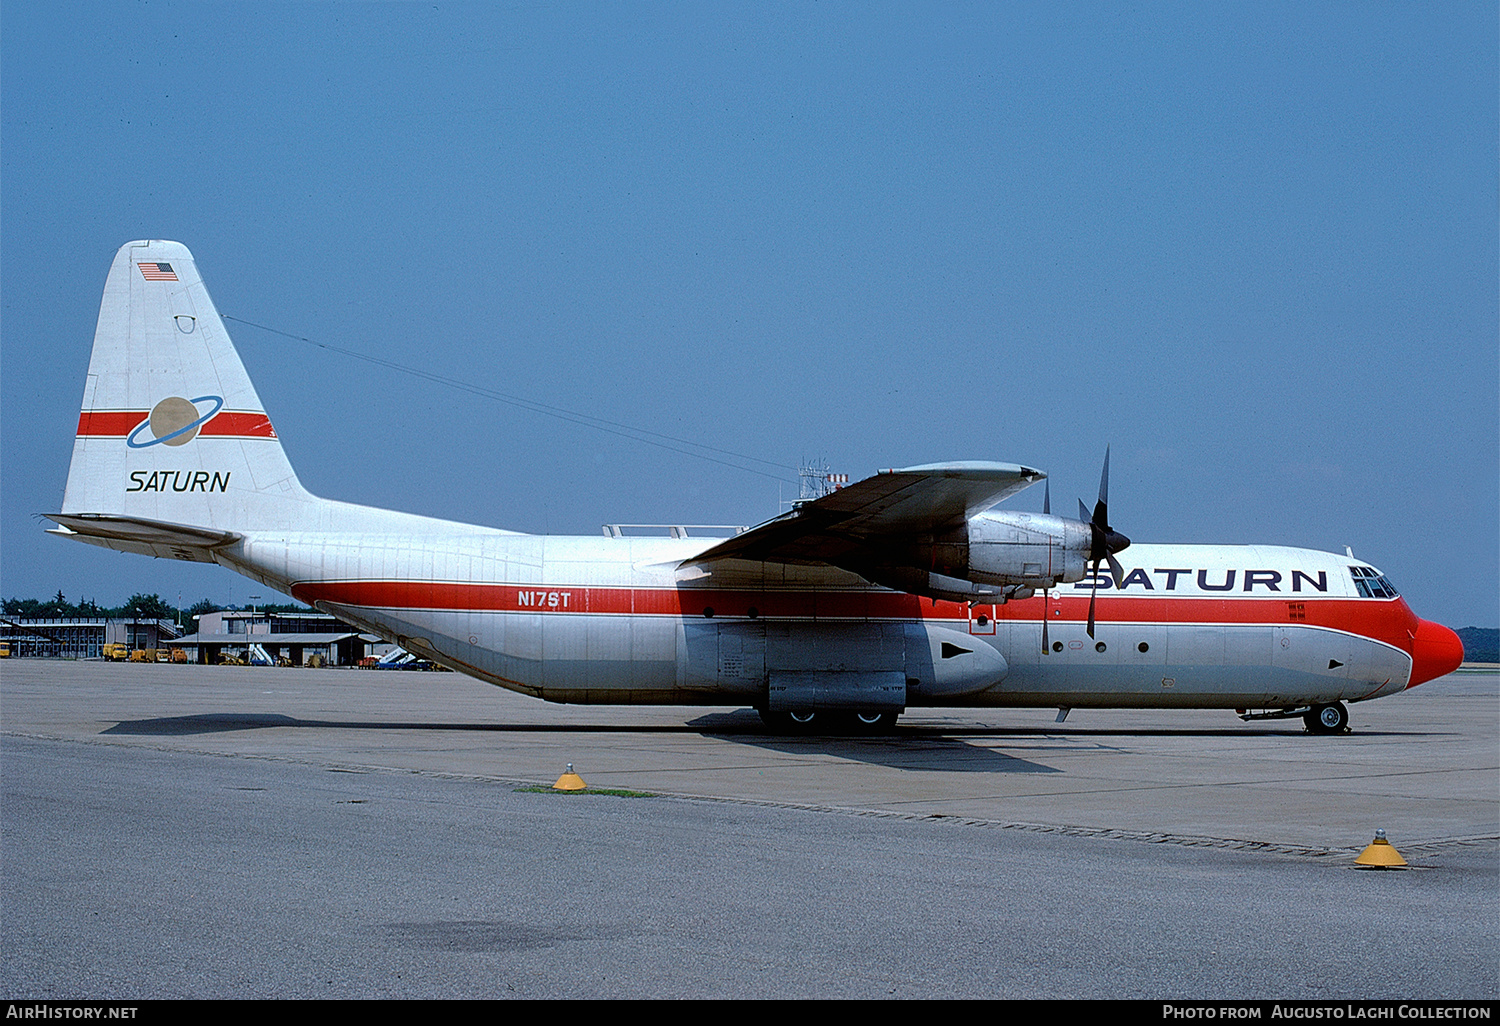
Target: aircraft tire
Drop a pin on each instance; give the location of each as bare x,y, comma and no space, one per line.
1327,719
810,722
873,722
825,722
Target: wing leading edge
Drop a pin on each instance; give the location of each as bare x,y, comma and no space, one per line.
836,528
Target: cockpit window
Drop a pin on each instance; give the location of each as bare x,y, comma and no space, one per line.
1371,584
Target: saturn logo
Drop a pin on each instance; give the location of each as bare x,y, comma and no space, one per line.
174,421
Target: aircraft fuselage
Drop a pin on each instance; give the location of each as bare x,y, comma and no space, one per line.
611,620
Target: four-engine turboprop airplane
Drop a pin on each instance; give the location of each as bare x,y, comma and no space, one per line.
904,589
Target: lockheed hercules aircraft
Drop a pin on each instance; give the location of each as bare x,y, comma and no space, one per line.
905,589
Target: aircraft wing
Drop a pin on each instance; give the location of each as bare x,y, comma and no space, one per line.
893,503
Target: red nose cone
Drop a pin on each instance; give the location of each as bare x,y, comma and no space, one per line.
1435,652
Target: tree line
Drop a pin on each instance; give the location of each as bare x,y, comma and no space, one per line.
146,607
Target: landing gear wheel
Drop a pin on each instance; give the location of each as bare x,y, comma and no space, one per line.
1327,719
874,722
818,721
799,722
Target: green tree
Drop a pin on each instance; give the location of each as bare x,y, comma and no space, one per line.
147,607
58,607
202,606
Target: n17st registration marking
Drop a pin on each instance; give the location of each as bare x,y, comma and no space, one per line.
544,599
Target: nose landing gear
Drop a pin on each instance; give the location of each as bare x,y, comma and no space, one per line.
1327,719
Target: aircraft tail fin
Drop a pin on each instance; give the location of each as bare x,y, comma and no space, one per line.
171,431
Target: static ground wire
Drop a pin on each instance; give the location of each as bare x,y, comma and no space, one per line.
644,435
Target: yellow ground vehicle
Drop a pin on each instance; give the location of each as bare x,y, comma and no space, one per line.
4,650
116,651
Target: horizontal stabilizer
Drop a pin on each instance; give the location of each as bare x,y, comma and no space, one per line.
149,537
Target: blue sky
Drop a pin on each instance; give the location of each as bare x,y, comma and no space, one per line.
1252,247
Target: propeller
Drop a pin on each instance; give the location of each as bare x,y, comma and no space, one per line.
1106,541
1046,511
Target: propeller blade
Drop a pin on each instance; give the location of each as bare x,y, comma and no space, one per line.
1106,541
1047,499
1101,509
1099,537
1046,646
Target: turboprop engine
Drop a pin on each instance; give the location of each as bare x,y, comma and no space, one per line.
995,556
998,555
1027,549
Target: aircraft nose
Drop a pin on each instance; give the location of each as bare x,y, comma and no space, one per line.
1435,651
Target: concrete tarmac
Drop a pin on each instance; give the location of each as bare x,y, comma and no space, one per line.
197,831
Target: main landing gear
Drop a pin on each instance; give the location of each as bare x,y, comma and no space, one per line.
1327,719
825,722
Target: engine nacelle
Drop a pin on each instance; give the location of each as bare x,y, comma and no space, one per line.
995,556
1031,549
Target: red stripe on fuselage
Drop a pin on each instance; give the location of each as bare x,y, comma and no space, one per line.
120,423
1386,620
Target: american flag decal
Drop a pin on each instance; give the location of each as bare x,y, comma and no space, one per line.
157,272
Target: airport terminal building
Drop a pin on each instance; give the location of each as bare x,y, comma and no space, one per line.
83,637
295,639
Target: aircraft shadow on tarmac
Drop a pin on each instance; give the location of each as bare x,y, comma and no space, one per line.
912,748
739,725
945,748
904,748
934,753
933,748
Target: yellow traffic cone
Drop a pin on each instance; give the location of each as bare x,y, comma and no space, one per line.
1381,854
571,781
